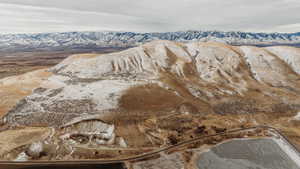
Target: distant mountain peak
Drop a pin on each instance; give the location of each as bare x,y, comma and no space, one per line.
77,40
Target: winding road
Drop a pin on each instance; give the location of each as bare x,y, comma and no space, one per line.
12,164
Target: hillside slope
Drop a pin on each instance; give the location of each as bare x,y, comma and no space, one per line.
141,94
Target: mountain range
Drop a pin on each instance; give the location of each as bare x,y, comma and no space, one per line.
98,40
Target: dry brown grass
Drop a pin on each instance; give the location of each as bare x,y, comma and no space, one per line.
20,137
149,98
177,85
13,89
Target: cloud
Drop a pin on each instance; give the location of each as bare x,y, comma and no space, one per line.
292,27
25,18
146,15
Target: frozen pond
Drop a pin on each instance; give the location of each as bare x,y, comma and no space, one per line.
262,153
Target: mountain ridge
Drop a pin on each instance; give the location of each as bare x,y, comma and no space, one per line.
83,40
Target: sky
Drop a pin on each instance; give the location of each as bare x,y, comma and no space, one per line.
35,16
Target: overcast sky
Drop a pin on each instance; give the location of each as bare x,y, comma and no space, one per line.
30,16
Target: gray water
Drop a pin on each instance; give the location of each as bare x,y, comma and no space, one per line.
247,154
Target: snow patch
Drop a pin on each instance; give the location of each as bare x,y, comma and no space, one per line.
288,149
297,117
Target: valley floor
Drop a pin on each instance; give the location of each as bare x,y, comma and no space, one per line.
16,63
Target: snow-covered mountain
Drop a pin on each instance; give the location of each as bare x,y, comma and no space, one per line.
75,40
147,96
250,78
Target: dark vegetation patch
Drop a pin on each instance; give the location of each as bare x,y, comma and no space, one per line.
172,123
55,92
71,106
283,108
76,80
39,90
41,119
56,114
236,106
252,106
18,107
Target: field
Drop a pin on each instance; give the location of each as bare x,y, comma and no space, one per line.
15,63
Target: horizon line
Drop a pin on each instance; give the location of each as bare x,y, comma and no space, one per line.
138,32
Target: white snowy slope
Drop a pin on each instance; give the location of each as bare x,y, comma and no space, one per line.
292,57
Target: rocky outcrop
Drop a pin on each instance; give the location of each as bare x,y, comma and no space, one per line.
90,132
